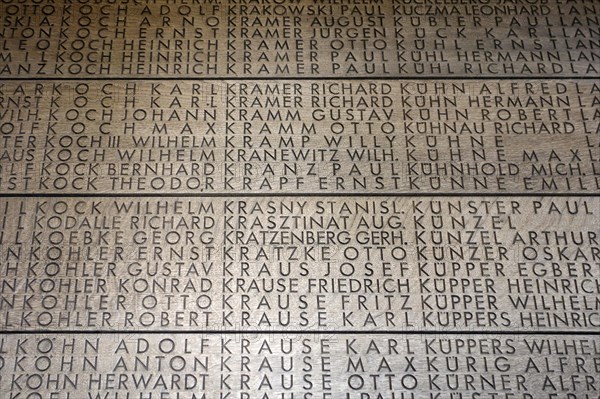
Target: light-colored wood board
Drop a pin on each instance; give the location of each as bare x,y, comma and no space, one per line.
327,263
300,39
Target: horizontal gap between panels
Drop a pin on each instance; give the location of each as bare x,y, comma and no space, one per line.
301,332
294,194
288,78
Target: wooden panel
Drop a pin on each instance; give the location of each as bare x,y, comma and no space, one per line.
300,38
275,137
191,366
401,264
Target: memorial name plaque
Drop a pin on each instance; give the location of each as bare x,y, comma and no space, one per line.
300,38
301,264
395,136
191,366
299,199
